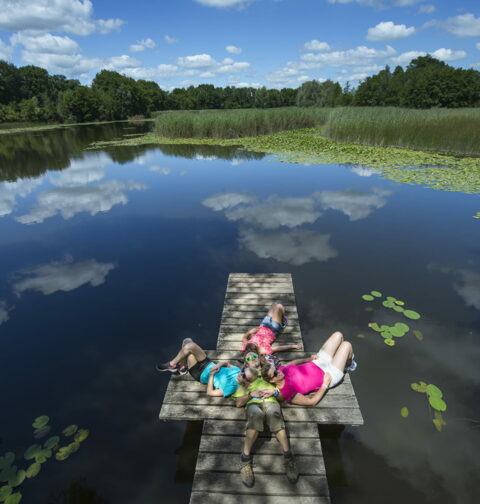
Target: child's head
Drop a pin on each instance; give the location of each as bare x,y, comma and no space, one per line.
251,356
270,374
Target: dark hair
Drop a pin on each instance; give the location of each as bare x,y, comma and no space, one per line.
250,347
265,370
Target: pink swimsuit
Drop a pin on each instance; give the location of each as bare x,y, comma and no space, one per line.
263,338
301,379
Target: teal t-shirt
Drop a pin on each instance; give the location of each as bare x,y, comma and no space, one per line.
225,379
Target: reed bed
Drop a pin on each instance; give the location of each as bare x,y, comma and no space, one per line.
237,123
440,130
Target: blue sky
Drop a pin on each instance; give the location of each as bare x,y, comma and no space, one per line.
273,43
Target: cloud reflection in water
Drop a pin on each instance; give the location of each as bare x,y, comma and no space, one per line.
65,275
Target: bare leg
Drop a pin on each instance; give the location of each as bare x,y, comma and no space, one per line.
282,438
343,355
250,438
277,312
333,343
191,352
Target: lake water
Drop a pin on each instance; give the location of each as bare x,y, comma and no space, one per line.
109,258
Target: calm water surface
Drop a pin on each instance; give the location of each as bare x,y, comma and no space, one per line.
109,258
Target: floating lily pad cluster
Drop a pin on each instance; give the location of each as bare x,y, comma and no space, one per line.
388,333
476,216
36,455
392,303
435,400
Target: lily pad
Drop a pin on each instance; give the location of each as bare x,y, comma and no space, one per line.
389,342
386,334
369,308
388,304
7,460
8,473
376,294
411,314
73,447
32,451
81,435
5,491
418,335
398,309
361,336
434,391
33,470
13,498
40,421
367,297
51,442
404,412
397,332
70,430
419,387
437,403
17,479
403,327
398,302
374,326
391,298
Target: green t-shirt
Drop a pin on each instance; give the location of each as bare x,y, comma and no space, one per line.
256,384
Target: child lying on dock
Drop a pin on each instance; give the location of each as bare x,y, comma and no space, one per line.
221,379
268,331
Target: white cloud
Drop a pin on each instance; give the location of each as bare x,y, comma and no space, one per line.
73,16
5,51
296,247
276,212
170,40
362,171
159,72
247,84
9,191
356,205
233,49
77,64
362,2
63,276
227,200
469,288
361,55
69,201
224,3
159,169
387,30
82,171
477,45
210,67
427,9
293,74
47,43
441,54
3,312
316,45
141,45
465,25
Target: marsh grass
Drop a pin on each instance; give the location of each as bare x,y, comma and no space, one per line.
237,123
440,130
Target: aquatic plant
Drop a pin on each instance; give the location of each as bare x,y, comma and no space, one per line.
476,216
435,401
404,412
38,454
433,170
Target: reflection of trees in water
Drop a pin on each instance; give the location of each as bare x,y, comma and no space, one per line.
196,151
77,493
124,154
32,154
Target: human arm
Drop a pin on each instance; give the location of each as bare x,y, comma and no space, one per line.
296,362
248,334
285,348
241,401
314,399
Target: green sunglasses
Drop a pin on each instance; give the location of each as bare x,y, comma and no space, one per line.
251,357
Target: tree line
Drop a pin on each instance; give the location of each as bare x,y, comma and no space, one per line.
30,94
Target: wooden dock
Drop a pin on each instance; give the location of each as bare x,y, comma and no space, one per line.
217,478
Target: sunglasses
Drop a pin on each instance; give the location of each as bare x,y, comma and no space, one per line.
251,357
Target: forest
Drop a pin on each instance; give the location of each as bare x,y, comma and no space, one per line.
30,94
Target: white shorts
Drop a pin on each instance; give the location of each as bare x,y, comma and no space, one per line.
324,362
